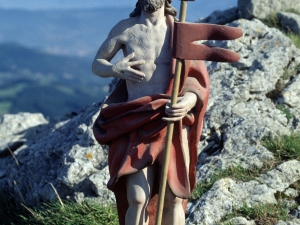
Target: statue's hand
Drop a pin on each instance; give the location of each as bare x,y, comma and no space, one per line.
124,70
181,108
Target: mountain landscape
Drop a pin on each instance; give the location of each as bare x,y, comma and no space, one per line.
70,32
35,81
46,56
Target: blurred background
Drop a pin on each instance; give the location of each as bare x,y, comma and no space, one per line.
47,47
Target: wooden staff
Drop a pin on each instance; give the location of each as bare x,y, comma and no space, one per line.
163,179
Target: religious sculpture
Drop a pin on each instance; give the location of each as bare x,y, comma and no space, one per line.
133,119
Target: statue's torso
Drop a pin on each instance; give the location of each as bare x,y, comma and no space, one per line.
151,44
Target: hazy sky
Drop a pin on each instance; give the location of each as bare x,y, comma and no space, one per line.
202,7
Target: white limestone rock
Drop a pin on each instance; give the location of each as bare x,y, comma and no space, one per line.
292,222
239,221
239,109
240,112
221,17
261,8
13,127
225,195
291,94
282,176
66,155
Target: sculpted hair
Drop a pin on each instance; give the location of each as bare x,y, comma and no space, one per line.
169,9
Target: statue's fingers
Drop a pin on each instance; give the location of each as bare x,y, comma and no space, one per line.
133,77
136,63
136,73
172,119
181,103
173,111
130,56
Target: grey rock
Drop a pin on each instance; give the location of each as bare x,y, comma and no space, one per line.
13,128
98,185
221,17
225,195
2,172
63,155
291,94
282,176
296,213
291,192
289,21
18,123
239,221
250,9
239,109
292,222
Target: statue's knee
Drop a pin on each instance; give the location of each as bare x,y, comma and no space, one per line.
171,199
137,199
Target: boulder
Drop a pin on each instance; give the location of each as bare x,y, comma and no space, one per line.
227,194
292,222
249,9
61,156
241,108
290,22
221,17
241,111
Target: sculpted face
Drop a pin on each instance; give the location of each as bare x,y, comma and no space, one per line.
150,6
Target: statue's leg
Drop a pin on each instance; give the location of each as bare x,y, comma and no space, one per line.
139,187
173,211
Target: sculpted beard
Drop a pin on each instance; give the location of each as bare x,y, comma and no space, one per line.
150,6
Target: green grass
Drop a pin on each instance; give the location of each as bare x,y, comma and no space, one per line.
295,38
284,147
273,21
293,11
234,172
286,111
289,72
56,213
265,214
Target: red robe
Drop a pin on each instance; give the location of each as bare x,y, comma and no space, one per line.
136,135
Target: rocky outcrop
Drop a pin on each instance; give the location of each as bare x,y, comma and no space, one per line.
63,155
227,194
261,8
241,111
289,22
221,17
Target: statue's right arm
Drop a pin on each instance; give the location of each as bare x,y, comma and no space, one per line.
122,69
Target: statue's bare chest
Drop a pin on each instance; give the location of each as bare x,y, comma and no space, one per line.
149,43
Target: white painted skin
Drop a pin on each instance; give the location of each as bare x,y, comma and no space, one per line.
144,41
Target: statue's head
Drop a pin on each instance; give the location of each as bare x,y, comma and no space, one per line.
150,6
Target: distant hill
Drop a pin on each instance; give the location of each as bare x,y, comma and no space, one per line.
71,32
35,81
